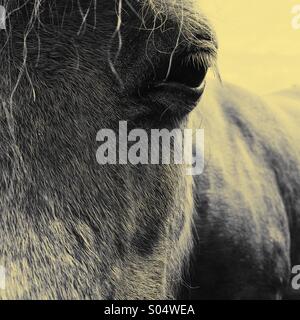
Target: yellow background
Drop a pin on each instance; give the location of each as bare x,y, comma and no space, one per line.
259,49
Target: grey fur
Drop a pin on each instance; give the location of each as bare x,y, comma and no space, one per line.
71,229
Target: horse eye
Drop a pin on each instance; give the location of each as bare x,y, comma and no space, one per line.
184,69
187,72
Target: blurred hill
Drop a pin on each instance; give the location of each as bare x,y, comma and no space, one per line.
293,92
